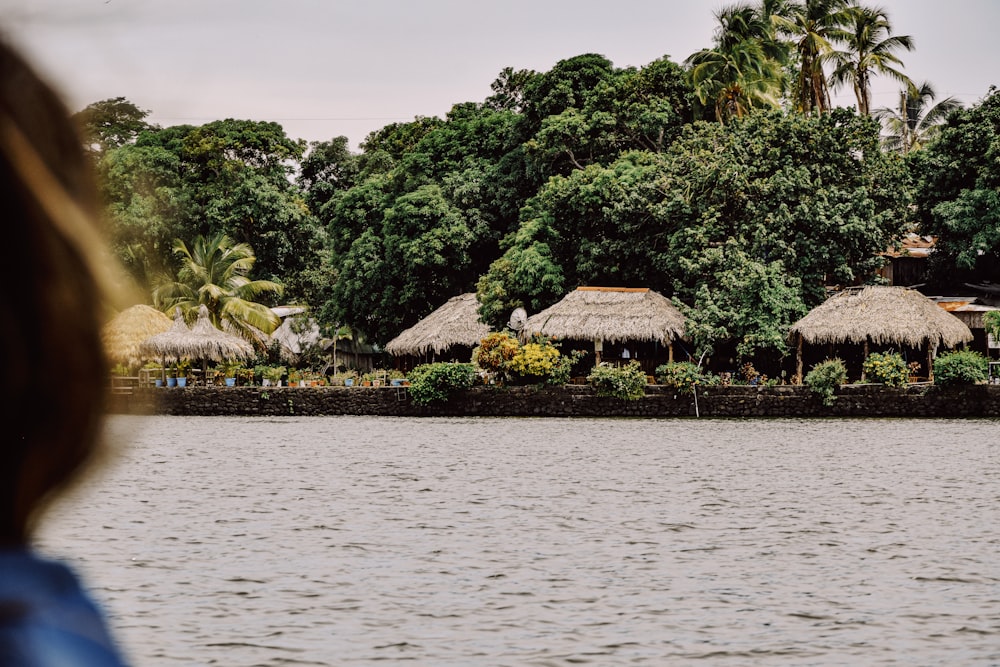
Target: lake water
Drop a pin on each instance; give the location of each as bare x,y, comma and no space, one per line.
548,542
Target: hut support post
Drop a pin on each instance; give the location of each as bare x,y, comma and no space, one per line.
670,352
798,361
598,348
931,348
864,360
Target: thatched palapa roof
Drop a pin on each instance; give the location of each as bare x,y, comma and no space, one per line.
203,341
881,315
610,314
124,334
454,323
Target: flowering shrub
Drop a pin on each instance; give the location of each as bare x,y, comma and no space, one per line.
536,362
887,368
496,351
960,367
626,382
435,383
683,376
825,377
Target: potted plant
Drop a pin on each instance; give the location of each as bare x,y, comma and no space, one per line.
230,369
182,369
294,377
271,375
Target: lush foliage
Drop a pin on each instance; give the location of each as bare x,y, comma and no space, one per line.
991,321
824,378
214,273
436,383
959,194
961,367
683,376
887,368
538,361
586,173
626,382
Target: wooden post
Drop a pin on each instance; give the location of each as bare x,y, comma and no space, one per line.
863,361
598,348
798,361
670,352
931,347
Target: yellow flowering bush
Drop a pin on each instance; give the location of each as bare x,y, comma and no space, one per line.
887,368
536,362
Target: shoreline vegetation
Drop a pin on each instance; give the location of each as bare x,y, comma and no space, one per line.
726,182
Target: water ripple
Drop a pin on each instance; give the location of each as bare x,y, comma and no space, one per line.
347,540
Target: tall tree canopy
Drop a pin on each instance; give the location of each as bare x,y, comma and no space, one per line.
782,201
958,194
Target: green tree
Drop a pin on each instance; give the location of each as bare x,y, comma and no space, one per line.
869,49
215,272
958,194
917,120
111,123
813,26
743,70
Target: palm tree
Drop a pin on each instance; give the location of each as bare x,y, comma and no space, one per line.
215,272
916,121
813,25
743,71
869,50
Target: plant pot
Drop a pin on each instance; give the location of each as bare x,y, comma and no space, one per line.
159,382
182,382
230,382
171,382
349,382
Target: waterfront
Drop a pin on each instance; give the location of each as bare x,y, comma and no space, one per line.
356,540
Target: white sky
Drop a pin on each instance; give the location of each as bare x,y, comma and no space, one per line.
324,68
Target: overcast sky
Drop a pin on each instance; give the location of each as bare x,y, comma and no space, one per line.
324,68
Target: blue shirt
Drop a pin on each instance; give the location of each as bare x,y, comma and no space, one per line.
46,618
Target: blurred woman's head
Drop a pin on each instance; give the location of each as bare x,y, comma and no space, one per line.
52,367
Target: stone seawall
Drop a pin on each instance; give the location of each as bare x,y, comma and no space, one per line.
568,401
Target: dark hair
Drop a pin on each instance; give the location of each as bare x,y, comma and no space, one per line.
53,367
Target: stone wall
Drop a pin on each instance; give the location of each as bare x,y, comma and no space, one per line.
568,401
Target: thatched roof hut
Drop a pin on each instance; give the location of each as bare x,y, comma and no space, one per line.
454,323
610,314
881,315
203,341
123,335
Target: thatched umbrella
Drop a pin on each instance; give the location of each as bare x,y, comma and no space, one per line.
215,344
203,341
454,323
880,315
123,335
611,314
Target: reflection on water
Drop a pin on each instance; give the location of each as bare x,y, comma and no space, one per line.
356,540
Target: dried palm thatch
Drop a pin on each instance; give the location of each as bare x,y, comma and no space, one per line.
203,341
610,314
454,323
216,344
123,335
881,315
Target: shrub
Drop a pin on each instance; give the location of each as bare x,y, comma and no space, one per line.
887,368
536,362
683,376
626,382
824,378
496,351
436,383
960,367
